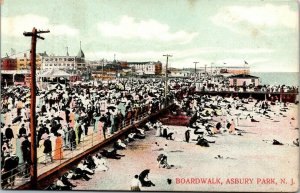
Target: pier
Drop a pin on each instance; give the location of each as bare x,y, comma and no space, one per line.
291,96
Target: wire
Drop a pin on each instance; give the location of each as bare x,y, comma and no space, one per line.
17,53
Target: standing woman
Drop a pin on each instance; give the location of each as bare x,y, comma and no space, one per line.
96,125
72,119
19,140
40,150
58,152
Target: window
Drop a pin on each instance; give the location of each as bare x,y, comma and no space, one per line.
46,64
253,81
65,59
50,65
234,82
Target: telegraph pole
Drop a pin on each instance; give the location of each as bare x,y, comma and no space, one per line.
102,70
166,77
33,169
195,70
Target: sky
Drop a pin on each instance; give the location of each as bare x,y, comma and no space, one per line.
264,33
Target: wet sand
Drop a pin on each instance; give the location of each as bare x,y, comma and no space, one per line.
249,157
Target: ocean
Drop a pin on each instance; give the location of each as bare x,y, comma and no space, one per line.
275,78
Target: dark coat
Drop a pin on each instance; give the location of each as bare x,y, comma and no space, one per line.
25,147
9,133
187,136
48,146
22,131
72,135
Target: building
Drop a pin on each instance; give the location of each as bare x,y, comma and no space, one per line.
146,68
66,63
8,63
243,80
179,73
80,60
23,62
59,62
234,70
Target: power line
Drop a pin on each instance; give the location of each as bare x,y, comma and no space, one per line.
18,53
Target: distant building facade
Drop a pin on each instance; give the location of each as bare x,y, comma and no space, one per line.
8,63
23,62
65,63
59,62
145,68
234,70
243,80
179,73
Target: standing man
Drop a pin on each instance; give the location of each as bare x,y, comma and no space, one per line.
72,138
22,130
187,136
48,149
25,147
9,133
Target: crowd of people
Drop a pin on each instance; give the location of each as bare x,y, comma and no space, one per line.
66,114
98,162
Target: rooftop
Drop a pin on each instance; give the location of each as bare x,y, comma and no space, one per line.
243,76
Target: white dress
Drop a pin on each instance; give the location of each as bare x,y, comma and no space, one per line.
100,164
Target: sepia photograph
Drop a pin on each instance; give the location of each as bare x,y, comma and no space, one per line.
149,95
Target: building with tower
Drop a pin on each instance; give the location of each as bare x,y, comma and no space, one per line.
66,63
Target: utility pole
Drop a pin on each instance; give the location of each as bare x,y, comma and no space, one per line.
205,69
195,71
211,72
166,78
102,70
33,169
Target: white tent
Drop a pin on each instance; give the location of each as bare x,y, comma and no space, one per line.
53,74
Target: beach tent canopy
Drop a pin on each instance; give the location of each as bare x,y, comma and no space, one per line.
53,74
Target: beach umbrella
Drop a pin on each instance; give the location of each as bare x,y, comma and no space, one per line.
17,119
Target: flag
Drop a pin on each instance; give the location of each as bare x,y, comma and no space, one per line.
245,62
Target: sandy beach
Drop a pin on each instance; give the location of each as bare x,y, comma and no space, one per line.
248,163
